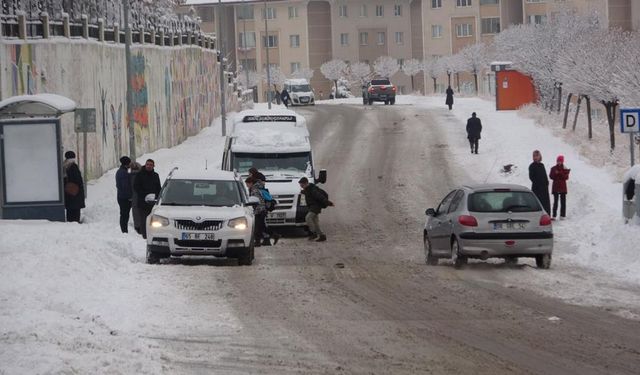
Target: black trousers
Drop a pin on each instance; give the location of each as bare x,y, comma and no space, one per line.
563,204
145,210
125,208
260,227
73,214
473,142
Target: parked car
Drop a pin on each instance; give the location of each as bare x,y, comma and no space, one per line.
379,90
202,213
300,92
486,221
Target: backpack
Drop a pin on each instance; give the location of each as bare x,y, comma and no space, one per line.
269,202
325,202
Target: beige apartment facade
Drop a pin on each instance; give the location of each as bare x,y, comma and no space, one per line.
307,33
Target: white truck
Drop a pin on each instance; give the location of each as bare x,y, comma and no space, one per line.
300,92
277,144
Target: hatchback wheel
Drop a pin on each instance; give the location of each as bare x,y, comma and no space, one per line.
458,259
429,258
543,261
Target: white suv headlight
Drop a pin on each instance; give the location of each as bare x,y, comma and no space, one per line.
238,223
158,221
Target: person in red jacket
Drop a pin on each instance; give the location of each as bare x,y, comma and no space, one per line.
559,174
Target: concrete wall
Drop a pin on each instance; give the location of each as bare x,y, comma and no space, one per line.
176,92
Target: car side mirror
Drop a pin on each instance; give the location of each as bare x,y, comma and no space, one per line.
150,198
430,212
253,201
322,176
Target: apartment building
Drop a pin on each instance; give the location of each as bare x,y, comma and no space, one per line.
307,33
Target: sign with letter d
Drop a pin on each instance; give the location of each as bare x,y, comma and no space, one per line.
630,120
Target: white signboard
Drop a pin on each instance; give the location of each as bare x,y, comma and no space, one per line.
630,120
31,163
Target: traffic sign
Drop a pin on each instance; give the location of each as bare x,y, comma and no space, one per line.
630,120
85,120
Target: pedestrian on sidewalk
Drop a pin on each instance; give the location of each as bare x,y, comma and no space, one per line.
125,192
449,100
73,187
474,128
317,199
539,181
136,211
259,211
284,96
147,182
559,174
253,172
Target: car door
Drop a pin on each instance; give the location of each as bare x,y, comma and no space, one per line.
440,226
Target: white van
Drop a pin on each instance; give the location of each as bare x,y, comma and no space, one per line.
277,144
300,92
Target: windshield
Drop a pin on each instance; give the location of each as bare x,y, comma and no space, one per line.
295,162
503,201
200,193
299,88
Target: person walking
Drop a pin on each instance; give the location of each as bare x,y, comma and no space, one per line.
559,174
125,192
449,100
316,199
259,211
147,182
260,181
474,128
73,187
135,207
284,95
539,181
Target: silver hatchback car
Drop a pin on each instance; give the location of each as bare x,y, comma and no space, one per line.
485,221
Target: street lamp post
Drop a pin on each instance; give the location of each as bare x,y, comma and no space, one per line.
127,56
223,80
244,42
266,42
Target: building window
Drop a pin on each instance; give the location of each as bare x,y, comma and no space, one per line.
463,3
363,10
399,37
295,66
364,39
344,39
293,12
537,19
250,39
436,31
397,10
248,64
463,30
294,41
379,10
269,14
343,11
489,2
491,25
245,12
436,4
271,41
381,38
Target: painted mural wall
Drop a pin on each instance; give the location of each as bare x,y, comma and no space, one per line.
175,92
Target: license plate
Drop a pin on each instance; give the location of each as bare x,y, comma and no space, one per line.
383,96
502,226
198,236
277,215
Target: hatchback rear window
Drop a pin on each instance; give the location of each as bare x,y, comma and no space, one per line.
503,201
380,82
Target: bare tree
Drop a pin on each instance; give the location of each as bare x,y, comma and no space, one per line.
411,68
386,66
334,70
359,74
433,68
254,78
305,73
474,59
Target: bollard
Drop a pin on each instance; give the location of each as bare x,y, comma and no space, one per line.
101,29
66,28
116,33
44,18
22,26
85,26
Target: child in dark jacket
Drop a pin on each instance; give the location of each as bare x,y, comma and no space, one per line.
559,174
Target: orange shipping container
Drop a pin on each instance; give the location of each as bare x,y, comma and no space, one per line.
513,90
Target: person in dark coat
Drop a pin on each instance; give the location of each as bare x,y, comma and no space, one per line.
125,192
135,207
449,100
147,182
559,174
316,201
253,172
73,187
474,128
284,95
539,181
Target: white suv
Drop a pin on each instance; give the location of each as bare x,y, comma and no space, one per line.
202,213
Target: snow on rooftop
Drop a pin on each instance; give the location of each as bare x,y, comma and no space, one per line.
57,103
270,139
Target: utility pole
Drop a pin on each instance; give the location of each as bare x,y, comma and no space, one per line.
127,56
266,42
244,41
223,79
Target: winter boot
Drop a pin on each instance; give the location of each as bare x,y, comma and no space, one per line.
266,242
276,238
321,238
312,236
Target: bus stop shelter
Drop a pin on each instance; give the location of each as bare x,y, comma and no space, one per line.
31,181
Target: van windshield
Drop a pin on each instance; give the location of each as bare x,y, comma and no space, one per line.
295,162
299,88
200,193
